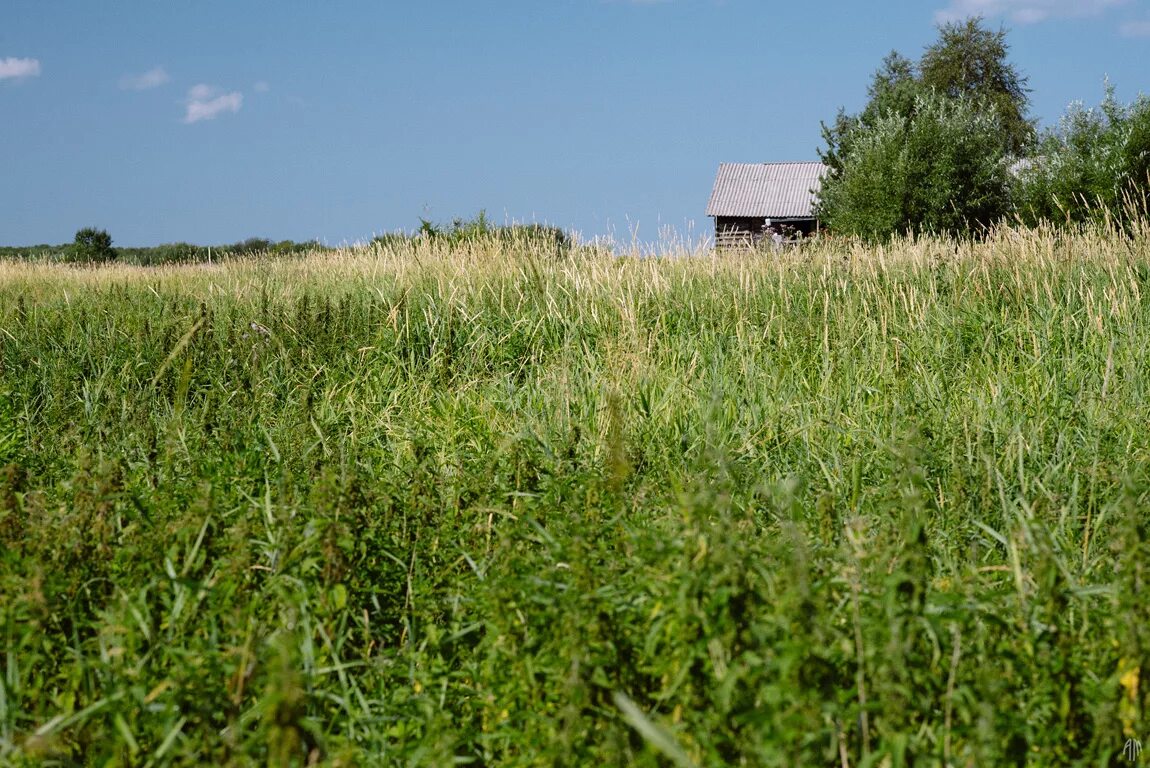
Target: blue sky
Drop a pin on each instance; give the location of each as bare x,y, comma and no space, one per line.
212,121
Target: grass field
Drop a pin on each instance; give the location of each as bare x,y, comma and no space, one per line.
486,506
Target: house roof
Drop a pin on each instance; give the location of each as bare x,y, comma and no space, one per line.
773,190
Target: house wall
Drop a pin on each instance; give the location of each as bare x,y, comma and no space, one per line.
801,227
731,230
747,230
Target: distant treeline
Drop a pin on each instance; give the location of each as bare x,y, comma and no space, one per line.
168,253
93,245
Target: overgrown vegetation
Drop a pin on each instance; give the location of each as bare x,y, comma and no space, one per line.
945,146
1095,164
91,247
94,246
931,150
940,168
480,230
429,504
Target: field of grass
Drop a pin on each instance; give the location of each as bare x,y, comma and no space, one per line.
478,505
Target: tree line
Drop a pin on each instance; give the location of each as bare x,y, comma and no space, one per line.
946,145
92,245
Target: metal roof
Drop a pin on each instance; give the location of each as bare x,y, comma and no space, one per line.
773,190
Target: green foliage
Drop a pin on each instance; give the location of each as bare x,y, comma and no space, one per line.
966,66
27,252
1094,165
480,231
941,168
92,246
970,60
254,245
171,253
967,61
894,89
866,507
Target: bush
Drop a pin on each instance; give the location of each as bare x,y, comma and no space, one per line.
91,246
481,230
942,169
1095,164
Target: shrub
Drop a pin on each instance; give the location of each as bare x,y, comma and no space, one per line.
1096,163
481,230
942,169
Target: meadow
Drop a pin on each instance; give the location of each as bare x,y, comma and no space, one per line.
482,504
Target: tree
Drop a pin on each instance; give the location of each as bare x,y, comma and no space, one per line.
966,67
893,89
1095,164
942,170
970,60
92,245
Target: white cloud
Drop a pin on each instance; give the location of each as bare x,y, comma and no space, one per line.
1024,11
17,69
261,86
206,102
153,78
1135,29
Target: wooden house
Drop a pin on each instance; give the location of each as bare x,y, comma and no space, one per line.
751,200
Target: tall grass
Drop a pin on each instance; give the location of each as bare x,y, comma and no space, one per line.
420,504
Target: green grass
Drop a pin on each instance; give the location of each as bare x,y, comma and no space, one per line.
421,504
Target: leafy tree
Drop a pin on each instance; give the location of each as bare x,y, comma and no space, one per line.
970,60
893,89
92,245
1096,163
966,67
943,169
